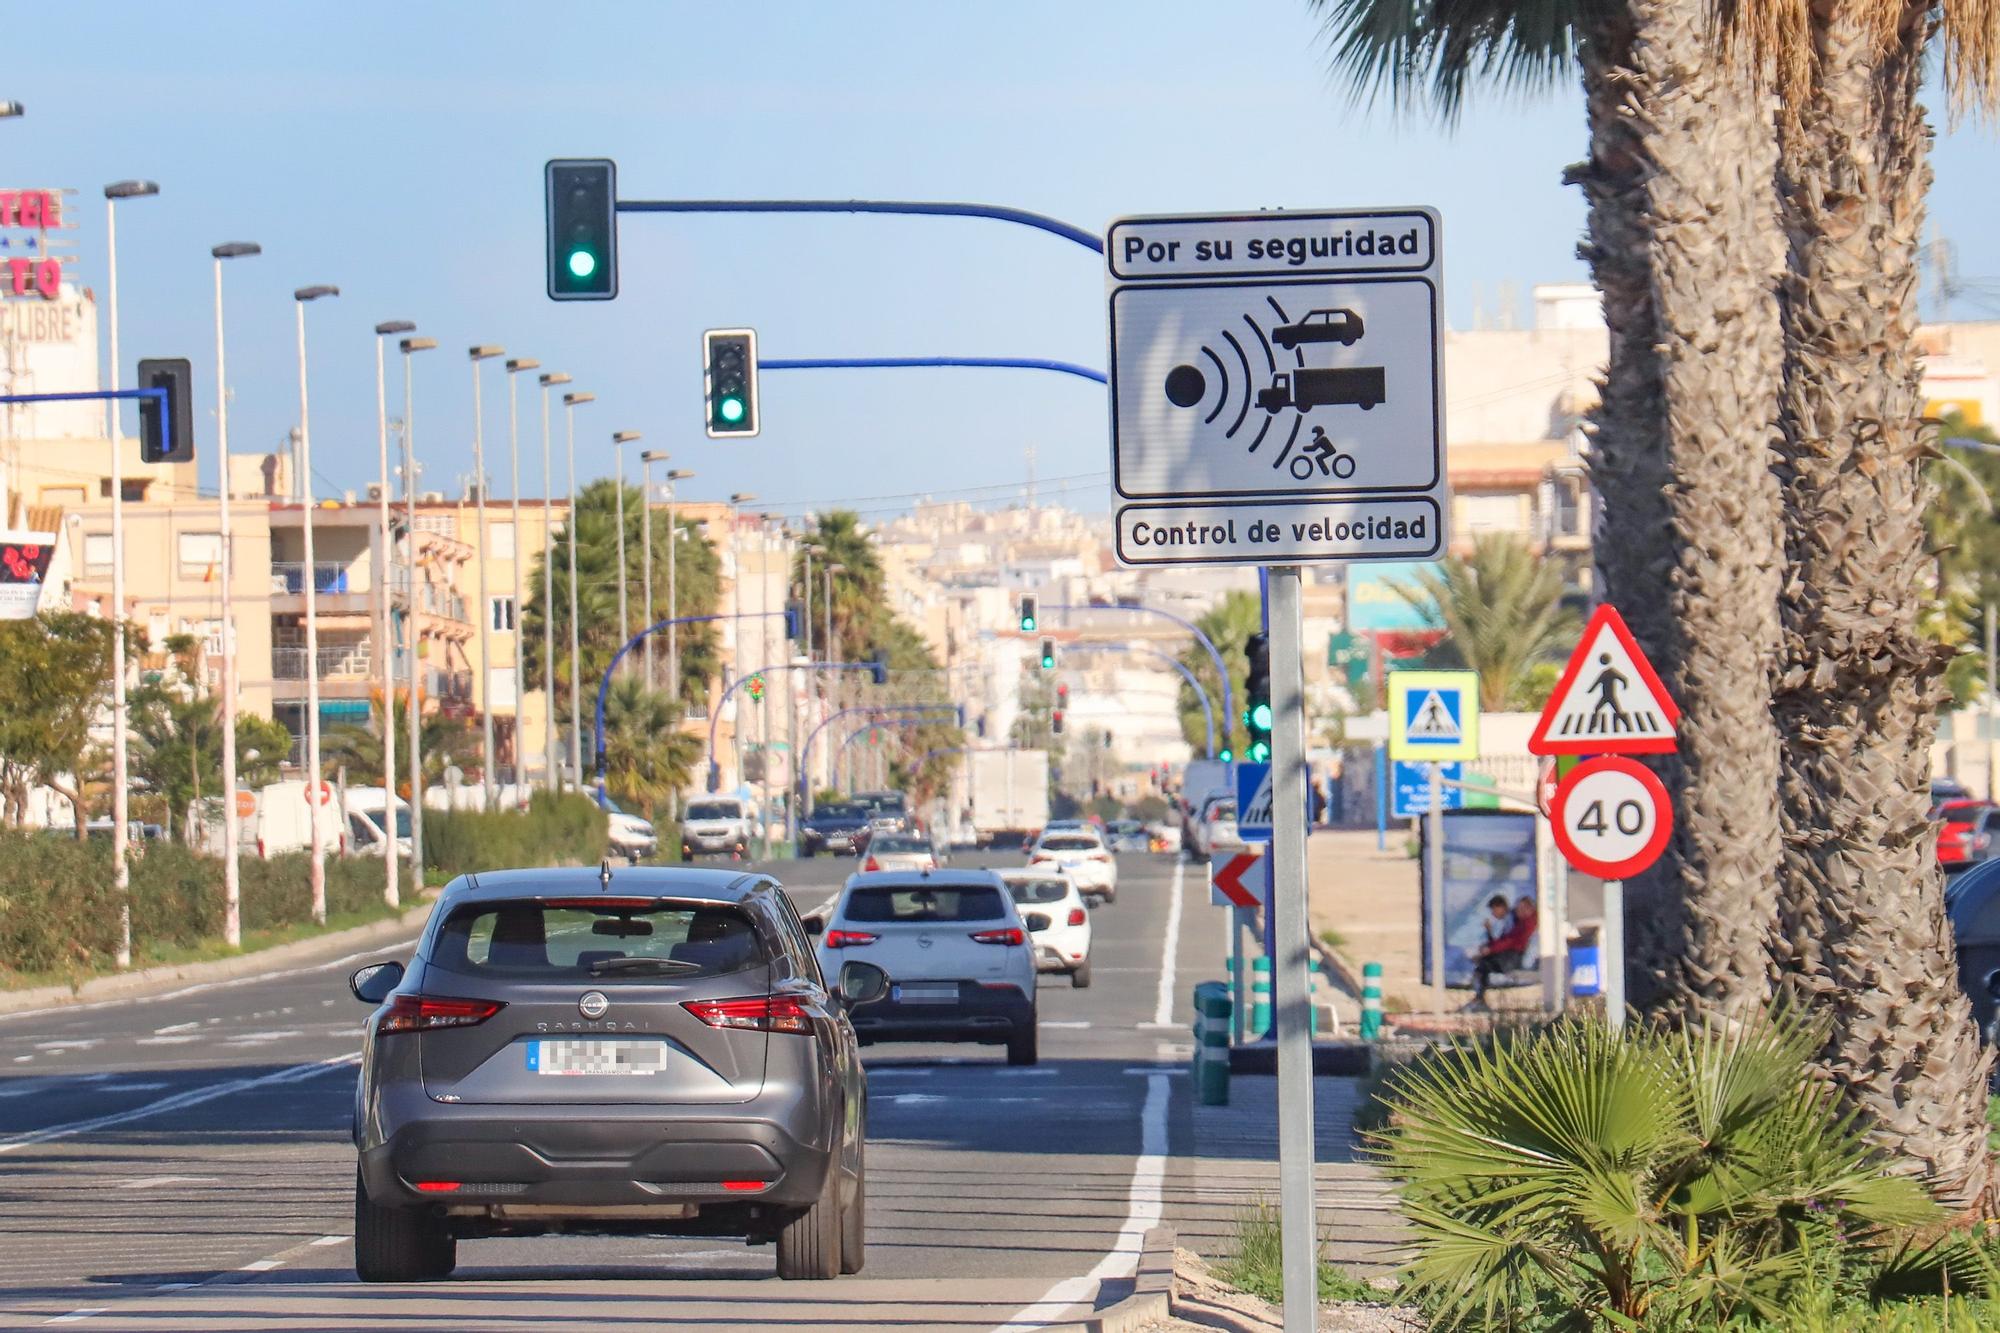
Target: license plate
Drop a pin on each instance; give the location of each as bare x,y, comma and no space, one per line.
596,1056
925,992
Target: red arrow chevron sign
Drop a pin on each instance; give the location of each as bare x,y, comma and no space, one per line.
1237,880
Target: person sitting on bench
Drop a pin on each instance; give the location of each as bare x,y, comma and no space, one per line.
1502,952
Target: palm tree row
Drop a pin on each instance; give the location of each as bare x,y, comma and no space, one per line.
1758,453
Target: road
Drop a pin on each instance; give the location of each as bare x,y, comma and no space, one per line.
183,1162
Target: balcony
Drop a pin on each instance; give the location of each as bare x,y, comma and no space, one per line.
350,660
289,576
336,587
448,686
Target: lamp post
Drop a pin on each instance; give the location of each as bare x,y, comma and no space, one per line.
120,725
316,871
481,352
737,500
515,367
386,672
647,457
232,923
673,591
571,401
414,714
549,587
832,654
619,439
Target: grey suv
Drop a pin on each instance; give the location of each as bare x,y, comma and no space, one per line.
647,1052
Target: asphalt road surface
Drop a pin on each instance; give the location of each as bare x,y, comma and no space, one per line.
182,1162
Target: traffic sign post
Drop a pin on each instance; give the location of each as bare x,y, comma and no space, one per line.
1611,818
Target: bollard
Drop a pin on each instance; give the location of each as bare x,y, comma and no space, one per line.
1260,996
1312,991
1211,1043
1371,1001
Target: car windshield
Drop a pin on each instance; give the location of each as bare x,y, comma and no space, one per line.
840,812
1043,890
926,902
1222,810
605,938
713,810
888,843
1070,842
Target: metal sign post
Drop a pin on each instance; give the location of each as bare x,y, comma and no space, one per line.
1434,878
1611,953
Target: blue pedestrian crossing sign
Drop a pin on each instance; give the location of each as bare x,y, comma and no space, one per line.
1253,802
1433,715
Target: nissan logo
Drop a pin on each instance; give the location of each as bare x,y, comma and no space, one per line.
923,941
593,1004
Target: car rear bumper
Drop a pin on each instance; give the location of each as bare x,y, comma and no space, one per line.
981,1013
715,842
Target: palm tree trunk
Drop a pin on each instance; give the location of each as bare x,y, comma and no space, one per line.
1684,244
1863,926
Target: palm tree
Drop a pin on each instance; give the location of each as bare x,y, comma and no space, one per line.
1684,246
838,538
1501,611
1862,927
647,756
446,741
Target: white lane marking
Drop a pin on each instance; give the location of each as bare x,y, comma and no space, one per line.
132,1087
1163,1007
77,1316
330,1240
277,1034
261,1265
1025,1073
173,1286
1071,1026
154,1182
387,949
902,1071
181,1039
177,1027
192,1097
1154,1071
70,1044
914,1099
22,1059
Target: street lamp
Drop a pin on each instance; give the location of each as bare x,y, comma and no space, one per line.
673,591
232,923
8,110
386,669
737,500
549,587
481,352
413,723
619,439
314,805
514,367
120,726
832,649
571,401
647,457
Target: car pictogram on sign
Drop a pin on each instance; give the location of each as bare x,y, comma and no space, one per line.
1341,326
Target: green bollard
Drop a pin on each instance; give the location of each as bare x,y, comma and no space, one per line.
1260,996
1371,1001
1211,1043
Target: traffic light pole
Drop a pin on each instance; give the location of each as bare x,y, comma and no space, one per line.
1194,681
1221,672
715,714
992,212
806,750
920,362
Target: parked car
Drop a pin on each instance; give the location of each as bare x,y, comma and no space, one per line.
1063,945
1972,904
1947,789
1080,853
657,1053
368,819
837,827
712,824
285,820
1966,832
900,851
628,834
958,949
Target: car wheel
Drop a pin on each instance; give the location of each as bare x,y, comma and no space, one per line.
398,1244
809,1244
1022,1047
1079,976
854,1217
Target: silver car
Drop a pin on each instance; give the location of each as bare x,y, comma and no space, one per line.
571,1051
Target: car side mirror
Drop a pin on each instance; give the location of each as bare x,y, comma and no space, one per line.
1993,984
815,925
1036,922
862,983
372,984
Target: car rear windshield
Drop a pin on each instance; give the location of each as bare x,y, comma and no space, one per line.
601,940
840,812
894,844
1038,890
942,902
1072,842
713,810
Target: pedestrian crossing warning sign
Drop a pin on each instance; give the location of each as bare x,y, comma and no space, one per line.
1433,715
1610,700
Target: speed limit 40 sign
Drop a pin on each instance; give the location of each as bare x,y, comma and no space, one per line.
1611,817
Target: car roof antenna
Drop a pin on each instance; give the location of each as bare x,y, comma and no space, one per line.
604,875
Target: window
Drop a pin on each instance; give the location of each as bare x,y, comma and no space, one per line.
798,948
605,939
500,536
941,902
200,555
500,614
97,553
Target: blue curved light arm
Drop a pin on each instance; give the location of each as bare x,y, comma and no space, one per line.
859,732
715,717
907,362
805,751
1222,672
1194,682
994,212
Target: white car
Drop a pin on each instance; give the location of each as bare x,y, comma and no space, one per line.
723,824
1081,854
1215,829
1063,945
900,851
956,949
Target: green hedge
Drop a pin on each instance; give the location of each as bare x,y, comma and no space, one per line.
556,830
59,911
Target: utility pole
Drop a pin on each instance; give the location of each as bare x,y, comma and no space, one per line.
481,352
386,670
514,367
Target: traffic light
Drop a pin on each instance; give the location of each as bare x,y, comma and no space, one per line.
795,619
729,371
1062,703
582,195
1257,686
1027,615
1048,654
878,669
166,430
1228,756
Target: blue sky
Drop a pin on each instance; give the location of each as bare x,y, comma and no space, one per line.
395,150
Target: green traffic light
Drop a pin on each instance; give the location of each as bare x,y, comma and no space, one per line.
730,410
582,264
1260,716
1027,623
1259,752
1227,754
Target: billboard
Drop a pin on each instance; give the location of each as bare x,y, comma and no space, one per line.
1374,606
1486,852
24,569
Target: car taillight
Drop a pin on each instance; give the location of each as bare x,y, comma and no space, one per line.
760,1013
847,939
1040,858
421,1013
1100,856
1076,916
872,864
1006,935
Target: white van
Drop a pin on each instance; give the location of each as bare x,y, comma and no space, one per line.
367,822
284,821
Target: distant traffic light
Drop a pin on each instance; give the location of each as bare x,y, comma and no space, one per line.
878,669
729,371
1257,686
1062,706
582,198
166,430
1048,654
1027,615
1227,756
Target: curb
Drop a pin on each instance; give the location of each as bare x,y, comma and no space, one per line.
134,985
1152,1290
